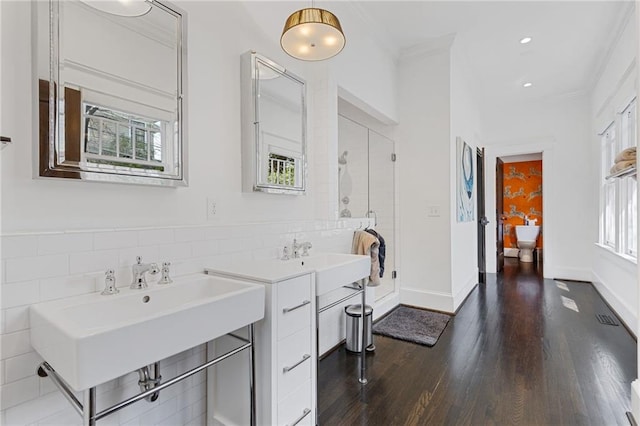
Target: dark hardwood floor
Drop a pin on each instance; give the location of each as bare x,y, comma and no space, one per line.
512,355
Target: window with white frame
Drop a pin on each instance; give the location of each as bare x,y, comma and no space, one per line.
122,139
619,201
609,189
629,185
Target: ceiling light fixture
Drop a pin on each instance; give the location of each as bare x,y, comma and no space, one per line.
312,34
525,40
128,8
527,85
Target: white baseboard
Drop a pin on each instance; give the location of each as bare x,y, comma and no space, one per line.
462,294
385,304
619,306
427,299
635,399
577,274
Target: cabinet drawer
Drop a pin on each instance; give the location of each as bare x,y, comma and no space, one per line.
294,305
296,408
294,362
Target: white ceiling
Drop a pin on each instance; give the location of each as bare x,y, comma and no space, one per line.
570,39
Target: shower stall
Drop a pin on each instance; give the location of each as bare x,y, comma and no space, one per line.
366,186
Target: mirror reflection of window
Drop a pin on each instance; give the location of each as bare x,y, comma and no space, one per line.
122,139
282,170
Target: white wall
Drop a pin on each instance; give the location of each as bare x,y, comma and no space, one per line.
465,123
439,264
56,219
558,129
614,276
424,170
365,66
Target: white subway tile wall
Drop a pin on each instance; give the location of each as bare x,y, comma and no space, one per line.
38,267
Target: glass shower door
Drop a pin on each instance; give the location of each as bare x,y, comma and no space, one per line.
366,186
382,203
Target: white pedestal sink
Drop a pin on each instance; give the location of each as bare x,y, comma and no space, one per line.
334,270
92,339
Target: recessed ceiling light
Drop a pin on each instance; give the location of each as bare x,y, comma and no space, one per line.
527,85
525,40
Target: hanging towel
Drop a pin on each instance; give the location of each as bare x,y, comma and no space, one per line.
382,251
621,165
368,245
626,155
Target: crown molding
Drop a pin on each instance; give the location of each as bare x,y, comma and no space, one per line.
621,21
430,47
376,30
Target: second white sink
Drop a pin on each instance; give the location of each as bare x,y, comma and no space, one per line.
333,270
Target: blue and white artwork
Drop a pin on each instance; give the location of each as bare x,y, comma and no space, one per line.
465,195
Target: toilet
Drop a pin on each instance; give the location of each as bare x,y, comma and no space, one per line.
526,238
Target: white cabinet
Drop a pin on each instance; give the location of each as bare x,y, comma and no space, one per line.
286,357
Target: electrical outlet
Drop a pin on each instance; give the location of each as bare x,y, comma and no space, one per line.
212,209
433,211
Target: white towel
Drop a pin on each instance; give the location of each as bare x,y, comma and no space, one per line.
621,165
626,155
366,244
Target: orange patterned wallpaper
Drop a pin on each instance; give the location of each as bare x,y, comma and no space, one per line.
522,196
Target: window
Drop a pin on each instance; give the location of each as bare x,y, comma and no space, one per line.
619,200
122,139
629,185
282,170
609,188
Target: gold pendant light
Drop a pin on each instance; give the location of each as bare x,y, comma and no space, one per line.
312,34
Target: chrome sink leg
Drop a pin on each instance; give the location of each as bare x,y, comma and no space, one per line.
252,375
89,407
363,354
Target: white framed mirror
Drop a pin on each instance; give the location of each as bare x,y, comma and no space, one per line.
274,127
112,92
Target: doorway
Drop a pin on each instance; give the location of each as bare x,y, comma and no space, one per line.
519,212
366,187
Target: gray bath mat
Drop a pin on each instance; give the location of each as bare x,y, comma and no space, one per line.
413,325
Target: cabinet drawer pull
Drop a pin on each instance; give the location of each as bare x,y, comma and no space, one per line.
299,419
304,358
304,303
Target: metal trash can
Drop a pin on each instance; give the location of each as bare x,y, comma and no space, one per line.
354,334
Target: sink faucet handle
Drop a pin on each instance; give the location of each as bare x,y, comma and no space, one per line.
285,253
139,260
165,279
305,248
110,283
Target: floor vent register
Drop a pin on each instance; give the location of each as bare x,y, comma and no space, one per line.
606,320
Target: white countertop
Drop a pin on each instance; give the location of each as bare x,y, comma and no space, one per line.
265,271
275,270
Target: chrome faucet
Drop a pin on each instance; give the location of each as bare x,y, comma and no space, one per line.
139,269
305,246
